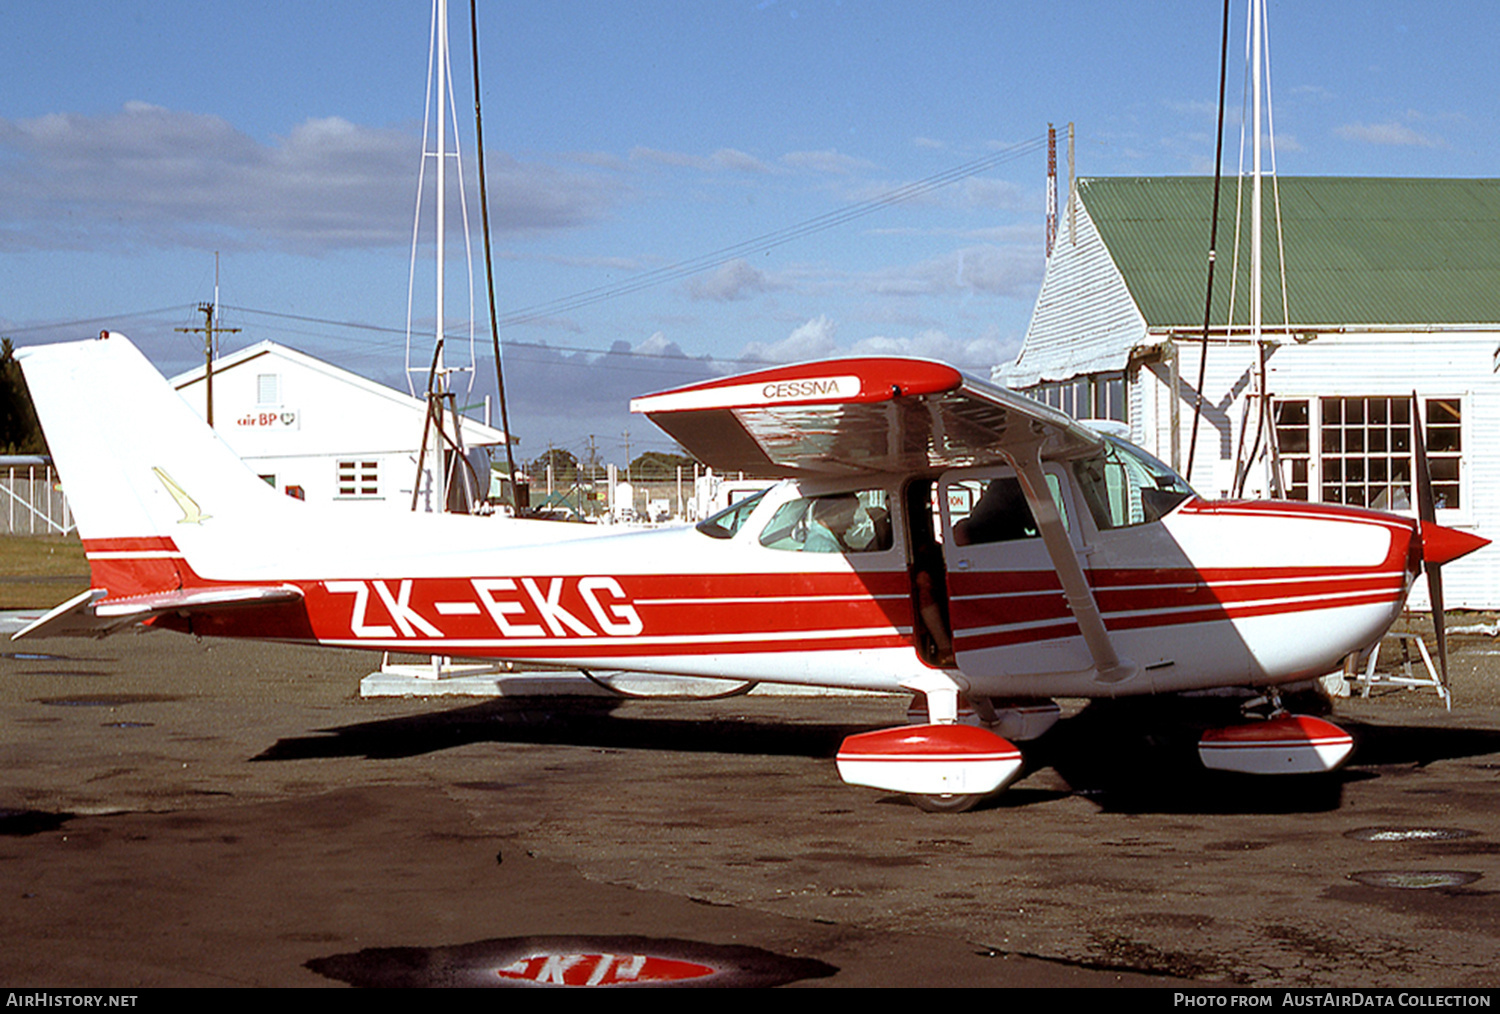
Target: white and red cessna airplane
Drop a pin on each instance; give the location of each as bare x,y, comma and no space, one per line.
936,535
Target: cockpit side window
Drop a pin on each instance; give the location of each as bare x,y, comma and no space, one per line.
1125,486
841,523
724,524
995,510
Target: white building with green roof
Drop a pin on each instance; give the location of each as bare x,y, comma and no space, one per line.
1391,286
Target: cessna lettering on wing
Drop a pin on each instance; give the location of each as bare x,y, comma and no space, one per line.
814,388
839,388
527,607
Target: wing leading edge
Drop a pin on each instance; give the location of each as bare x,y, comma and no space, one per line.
847,416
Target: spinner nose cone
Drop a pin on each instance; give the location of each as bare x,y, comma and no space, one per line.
1443,545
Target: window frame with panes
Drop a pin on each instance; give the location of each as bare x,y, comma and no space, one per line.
357,479
1356,450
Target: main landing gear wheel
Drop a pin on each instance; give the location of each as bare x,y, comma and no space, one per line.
946,803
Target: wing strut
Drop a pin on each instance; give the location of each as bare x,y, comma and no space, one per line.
1027,462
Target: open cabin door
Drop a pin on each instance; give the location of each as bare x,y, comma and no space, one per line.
1006,604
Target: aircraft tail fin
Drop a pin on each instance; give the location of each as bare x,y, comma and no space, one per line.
150,485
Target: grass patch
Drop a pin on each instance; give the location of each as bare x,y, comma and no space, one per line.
39,571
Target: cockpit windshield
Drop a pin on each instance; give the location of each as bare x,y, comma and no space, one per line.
1125,486
724,524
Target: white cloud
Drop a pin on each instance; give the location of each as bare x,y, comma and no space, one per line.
730,159
735,280
1191,107
1388,133
812,340
827,161
987,270
659,345
988,194
1314,91
817,339
973,354
972,194
153,176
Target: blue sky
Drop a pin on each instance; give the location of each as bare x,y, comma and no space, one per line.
136,139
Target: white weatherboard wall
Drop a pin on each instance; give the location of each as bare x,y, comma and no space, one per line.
1085,320
1087,328
1436,364
303,422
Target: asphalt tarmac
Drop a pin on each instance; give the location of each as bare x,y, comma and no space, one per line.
184,813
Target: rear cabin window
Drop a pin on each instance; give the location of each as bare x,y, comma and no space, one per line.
995,510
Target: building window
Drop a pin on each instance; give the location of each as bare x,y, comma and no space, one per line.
1358,450
268,389
1293,438
359,478
1096,396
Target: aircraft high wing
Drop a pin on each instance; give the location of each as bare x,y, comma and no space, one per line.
935,535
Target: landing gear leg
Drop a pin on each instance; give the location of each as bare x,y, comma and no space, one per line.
942,709
944,766
942,696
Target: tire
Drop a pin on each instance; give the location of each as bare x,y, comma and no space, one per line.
948,803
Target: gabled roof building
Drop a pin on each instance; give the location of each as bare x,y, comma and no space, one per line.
1391,286
319,432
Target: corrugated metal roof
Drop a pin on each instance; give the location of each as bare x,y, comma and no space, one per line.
1358,251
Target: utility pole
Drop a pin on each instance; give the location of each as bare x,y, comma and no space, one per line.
1051,188
593,463
208,330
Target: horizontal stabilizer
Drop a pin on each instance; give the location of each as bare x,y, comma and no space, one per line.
90,614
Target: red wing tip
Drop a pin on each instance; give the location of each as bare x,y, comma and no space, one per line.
828,382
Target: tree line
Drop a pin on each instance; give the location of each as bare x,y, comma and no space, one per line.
20,433
652,466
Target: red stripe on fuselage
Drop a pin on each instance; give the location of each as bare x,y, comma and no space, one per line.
134,566
621,616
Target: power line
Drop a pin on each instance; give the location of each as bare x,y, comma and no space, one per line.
705,262
647,279
510,344
770,240
108,318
